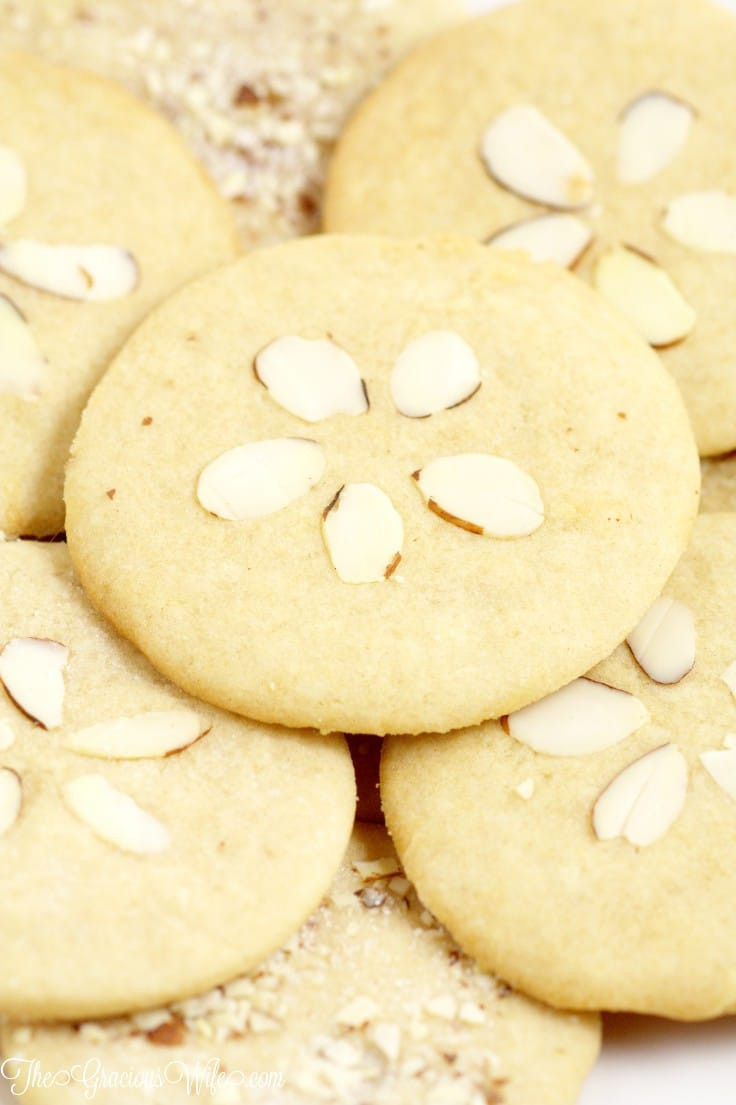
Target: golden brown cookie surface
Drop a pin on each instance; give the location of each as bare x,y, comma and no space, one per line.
228,556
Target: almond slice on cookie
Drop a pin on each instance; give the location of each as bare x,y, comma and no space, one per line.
313,379
482,494
94,273
703,221
584,717
525,153
663,643
363,533
151,735
32,672
652,130
642,801
558,236
641,290
434,372
114,816
22,365
260,478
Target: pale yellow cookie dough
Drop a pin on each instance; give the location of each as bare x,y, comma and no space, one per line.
102,168
370,1001
254,822
409,161
253,616
500,840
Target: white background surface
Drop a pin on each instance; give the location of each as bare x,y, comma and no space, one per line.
646,1061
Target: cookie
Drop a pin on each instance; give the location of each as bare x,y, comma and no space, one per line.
718,492
370,1001
259,93
584,847
569,459
152,846
610,116
103,211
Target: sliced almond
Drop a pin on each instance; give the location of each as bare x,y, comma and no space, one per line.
653,129
260,478
7,736
640,290
31,670
581,718
720,764
13,185
363,534
642,801
482,494
113,816
434,372
92,273
11,798
663,642
703,220
526,154
311,379
559,237
22,364
143,736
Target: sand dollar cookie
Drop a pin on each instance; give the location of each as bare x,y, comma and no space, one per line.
103,211
368,505
609,806
592,135
154,846
370,1001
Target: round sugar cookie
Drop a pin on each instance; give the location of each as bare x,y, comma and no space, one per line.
370,1001
151,845
246,460
614,119
584,848
103,212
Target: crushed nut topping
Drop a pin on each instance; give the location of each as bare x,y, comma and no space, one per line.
260,91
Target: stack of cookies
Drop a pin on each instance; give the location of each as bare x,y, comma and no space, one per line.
407,479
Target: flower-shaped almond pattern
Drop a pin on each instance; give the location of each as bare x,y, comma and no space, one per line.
557,443
528,155
588,139
363,533
586,716
604,804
